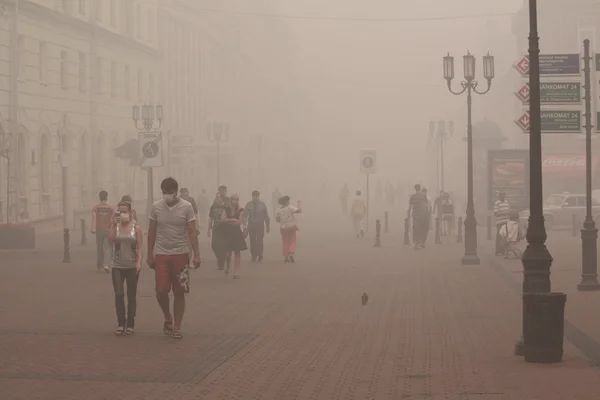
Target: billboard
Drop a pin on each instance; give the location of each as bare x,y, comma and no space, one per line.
508,171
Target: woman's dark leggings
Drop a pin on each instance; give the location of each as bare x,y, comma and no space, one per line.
120,276
217,245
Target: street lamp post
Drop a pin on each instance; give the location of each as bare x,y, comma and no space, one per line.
440,136
218,133
150,114
589,233
469,85
536,257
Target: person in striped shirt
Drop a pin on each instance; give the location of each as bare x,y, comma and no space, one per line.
502,214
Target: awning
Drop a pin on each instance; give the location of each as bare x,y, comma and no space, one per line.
567,165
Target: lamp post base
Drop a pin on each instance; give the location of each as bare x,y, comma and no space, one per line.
470,260
589,283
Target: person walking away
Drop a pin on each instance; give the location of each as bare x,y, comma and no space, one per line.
502,215
428,213
344,194
184,193
256,220
102,215
512,233
172,228
448,215
127,199
215,231
417,204
203,208
438,209
358,210
286,216
276,195
126,237
234,238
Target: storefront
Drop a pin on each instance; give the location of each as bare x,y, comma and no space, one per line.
566,173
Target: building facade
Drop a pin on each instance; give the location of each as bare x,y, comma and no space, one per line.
69,73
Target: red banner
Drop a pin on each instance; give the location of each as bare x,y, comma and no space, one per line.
567,164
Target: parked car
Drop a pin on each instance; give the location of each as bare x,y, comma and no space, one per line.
560,208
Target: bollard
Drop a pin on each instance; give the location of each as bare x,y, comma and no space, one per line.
574,217
489,227
83,235
438,240
386,228
377,233
406,235
67,252
459,232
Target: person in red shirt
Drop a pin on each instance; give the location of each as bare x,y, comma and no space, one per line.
102,217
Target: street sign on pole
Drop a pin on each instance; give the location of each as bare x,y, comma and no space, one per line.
150,143
553,93
553,64
368,162
554,121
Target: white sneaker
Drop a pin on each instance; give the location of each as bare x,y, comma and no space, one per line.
107,269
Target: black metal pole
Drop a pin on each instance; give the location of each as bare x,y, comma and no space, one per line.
574,224
443,136
438,240
470,257
377,233
536,257
459,233
67,250
489,227
386,227
589,233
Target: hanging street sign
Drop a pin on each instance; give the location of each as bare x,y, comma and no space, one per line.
524,121
554,121
368,162
553,64
553,93
150,149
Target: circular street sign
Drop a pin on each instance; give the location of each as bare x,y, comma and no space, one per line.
368,162
150,150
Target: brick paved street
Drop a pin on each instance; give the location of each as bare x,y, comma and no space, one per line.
433,329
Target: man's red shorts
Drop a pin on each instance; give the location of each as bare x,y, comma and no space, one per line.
166,268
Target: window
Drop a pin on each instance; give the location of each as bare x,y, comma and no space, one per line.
138,21
113,13
128,21
64,69
140,85
21,62
571,202
83,76
82,7
98,75
127,82
113,79
43,57
151,87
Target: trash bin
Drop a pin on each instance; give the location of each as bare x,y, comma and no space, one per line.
543,326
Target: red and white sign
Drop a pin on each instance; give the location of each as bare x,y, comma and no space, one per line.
567,163
523,93
523,65
524,121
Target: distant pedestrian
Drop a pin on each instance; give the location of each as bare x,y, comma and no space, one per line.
428,216
358,210
502,214
216,232
512,233
126,237
256,220
448,215
172,228
234,238
203,208
286,216
102,215
438,210
418,206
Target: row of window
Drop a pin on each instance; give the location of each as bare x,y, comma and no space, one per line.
118,78
123,15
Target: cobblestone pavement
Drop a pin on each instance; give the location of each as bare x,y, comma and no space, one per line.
432,329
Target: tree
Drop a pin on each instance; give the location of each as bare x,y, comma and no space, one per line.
129,151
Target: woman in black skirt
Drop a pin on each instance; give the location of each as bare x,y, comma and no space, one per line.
234,241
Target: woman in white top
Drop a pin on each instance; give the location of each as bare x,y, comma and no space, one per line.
286,216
